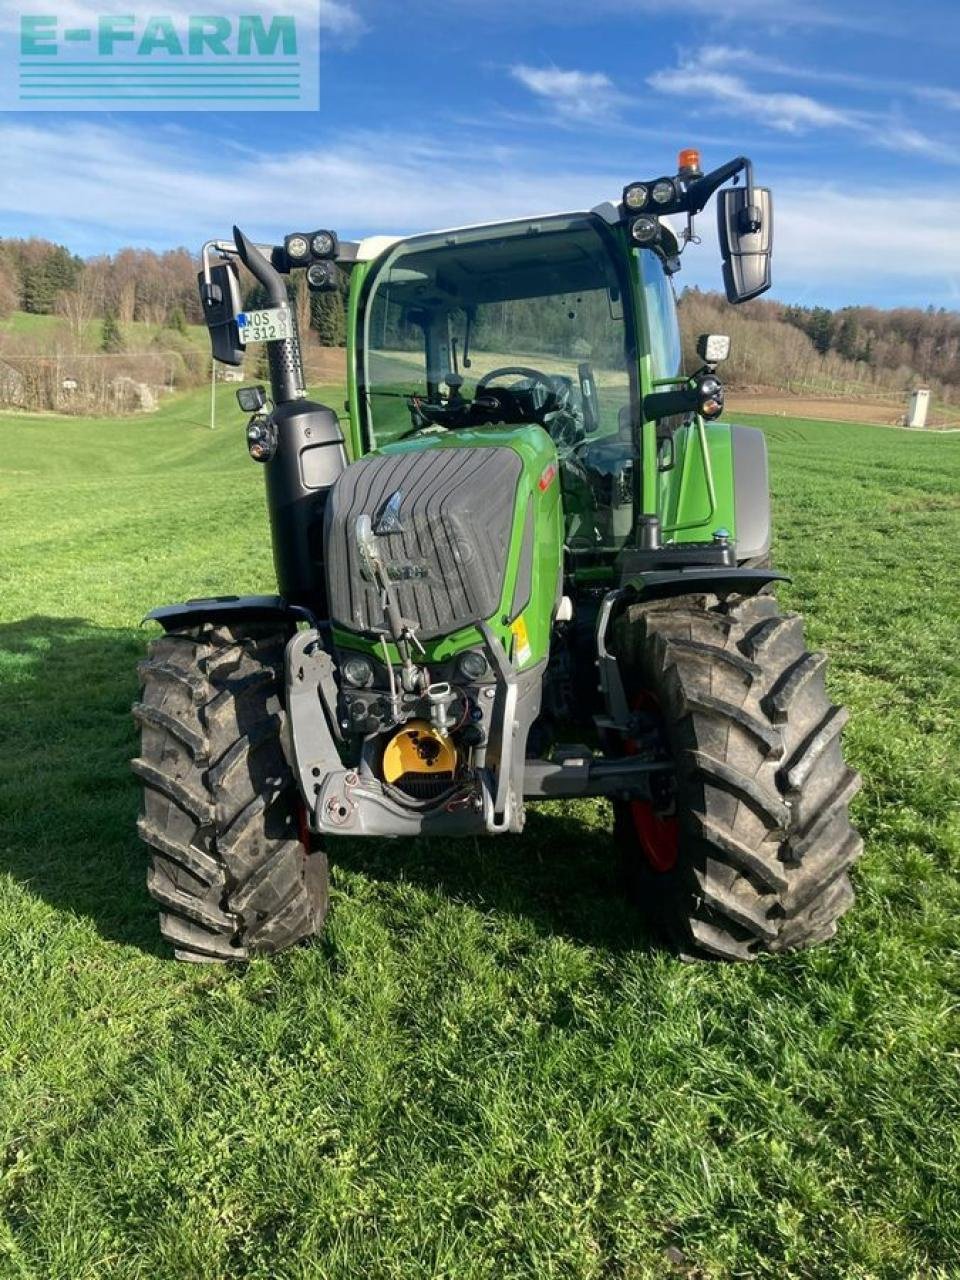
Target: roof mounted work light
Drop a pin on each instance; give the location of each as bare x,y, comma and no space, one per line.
297,248
645,229
636,196
323,244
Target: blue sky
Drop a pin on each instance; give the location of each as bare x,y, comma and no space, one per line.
435,113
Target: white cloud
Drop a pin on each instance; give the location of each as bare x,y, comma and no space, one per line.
582,98
724,56
158,192
79,186
574,95
868,240
948,98
789,112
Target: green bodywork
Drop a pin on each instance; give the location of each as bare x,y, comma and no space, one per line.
526,636
688,485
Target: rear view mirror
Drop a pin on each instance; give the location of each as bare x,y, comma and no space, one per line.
220,298
745,226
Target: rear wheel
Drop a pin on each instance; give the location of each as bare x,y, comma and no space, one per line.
751,851
232,865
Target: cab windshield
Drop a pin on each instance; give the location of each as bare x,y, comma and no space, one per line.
520,324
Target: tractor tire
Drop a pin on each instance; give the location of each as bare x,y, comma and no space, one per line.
221,815
756,854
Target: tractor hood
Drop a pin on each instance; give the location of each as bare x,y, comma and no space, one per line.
469,533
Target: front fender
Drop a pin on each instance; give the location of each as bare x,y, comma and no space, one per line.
228,609
729,488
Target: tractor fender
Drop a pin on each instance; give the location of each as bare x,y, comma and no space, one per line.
228,609
751,491
715,579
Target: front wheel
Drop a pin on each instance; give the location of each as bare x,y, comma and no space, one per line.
750,851
233,868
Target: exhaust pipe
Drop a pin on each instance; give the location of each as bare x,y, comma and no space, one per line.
284,356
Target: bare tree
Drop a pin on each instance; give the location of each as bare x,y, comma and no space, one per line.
79,307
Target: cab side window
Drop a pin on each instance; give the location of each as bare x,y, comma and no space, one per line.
660,315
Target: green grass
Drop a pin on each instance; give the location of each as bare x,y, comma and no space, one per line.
484,1069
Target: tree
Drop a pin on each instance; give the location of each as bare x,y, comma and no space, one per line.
846,340
112,339
326,317
178,321
46,271
820,327
79,306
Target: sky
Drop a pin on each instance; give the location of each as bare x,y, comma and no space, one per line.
435,113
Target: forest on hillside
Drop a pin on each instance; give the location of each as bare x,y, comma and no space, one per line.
853,350
124,320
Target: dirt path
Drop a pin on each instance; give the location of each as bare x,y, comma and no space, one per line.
885,414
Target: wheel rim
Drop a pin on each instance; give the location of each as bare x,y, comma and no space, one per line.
657,835
304,834
659,838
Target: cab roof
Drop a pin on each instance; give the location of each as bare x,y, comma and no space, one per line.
371,247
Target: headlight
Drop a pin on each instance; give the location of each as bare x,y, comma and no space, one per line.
473,665
711,398
261,439
635,196
664,192
645,229
323,244
298,248
322,275
358,671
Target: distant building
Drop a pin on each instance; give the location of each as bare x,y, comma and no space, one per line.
12,384
917,408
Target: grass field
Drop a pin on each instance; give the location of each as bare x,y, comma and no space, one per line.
484,1069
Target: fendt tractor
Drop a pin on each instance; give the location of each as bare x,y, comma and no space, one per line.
531,564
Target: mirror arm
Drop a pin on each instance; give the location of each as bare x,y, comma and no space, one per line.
666,404
700,191
688,398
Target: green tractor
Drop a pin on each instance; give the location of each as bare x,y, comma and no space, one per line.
531,565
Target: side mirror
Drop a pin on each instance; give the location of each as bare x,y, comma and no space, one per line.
251,399
712,348
746,241
220,299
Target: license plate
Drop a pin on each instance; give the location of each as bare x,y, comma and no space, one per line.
265,326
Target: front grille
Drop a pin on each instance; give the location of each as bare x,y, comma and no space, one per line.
445,545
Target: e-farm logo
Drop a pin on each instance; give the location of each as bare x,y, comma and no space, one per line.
220,57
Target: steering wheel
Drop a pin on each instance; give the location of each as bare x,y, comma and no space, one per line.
524,400
518,371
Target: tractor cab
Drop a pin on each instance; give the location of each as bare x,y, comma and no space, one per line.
536,324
